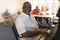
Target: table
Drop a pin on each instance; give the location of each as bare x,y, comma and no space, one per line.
41,15
47,18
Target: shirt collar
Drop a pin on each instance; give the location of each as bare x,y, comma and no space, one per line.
26,14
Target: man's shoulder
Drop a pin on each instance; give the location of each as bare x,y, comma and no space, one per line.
34,9
21,15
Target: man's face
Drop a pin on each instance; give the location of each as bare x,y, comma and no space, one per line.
36,7
27,8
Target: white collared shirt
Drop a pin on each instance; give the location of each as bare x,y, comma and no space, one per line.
25,23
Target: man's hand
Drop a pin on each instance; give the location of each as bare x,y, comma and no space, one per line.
44,32
45,26
34,33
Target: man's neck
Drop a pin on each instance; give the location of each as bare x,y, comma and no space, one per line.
27,13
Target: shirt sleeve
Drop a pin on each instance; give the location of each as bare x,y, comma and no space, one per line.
34,20
35,23
20,25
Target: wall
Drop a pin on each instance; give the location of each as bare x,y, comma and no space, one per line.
12,5
16,5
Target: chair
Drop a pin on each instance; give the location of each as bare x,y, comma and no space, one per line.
15,31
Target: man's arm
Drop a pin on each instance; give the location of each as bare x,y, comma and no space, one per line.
41,25
45,26
33,33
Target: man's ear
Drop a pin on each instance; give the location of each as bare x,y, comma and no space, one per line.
22,7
